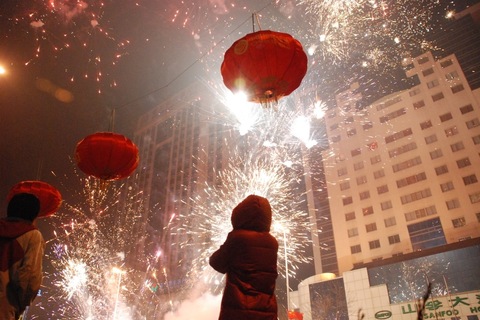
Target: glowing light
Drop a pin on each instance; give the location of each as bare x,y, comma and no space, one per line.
301,130
3,71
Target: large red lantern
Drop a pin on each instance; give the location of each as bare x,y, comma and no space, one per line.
49,197
265,65
107,156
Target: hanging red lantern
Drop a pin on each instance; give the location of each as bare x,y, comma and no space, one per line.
265,65
49,197
107,156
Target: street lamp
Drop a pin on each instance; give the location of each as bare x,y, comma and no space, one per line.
118,271
281,228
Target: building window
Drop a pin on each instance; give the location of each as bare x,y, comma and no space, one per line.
336,138
451,131
350,216
476,139
457,146
356,152
367,125
382,189
349,120
345,185
452,75
457,88
398,135
353,232
364,195
358,165
379,174
347,201
393,115
458,222
462,163
441,170
438,96
361,180
426,124
466,109
334,126
415,196
411,180
446,63
400,150
351,132
394,239
414,92
390,222
418,104
478,216
473,123
355,249
452,204
475,197
420,213
423,60
367,211
433,84
446,117
386,205
371,227
431,139
375,244
375,159
427,72
407,164
471,179
342,172
447,186
426,234
436,154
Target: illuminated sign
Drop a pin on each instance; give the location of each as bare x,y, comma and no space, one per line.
384,314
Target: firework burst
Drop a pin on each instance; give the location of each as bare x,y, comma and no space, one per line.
92,239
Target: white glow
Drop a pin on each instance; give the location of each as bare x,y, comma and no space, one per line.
301,129
244,111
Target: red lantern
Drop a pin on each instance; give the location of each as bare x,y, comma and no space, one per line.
107,156
49,197
265,65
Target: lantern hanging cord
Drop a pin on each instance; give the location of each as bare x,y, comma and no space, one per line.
255,17
192,64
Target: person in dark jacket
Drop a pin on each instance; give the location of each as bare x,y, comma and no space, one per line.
21,253
249,259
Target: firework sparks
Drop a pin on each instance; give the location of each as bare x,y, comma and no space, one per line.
91,240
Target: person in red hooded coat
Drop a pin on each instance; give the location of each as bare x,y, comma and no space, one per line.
248,257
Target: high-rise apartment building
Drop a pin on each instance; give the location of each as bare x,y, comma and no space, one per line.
179,150
402,174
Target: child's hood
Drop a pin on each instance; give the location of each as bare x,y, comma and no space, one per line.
253,213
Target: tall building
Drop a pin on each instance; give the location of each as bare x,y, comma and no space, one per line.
402,174
179,150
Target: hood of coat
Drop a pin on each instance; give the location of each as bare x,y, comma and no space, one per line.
253,213
13,228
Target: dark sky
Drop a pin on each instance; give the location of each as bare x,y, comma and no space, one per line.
148,49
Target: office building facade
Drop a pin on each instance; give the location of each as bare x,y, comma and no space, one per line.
402,174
